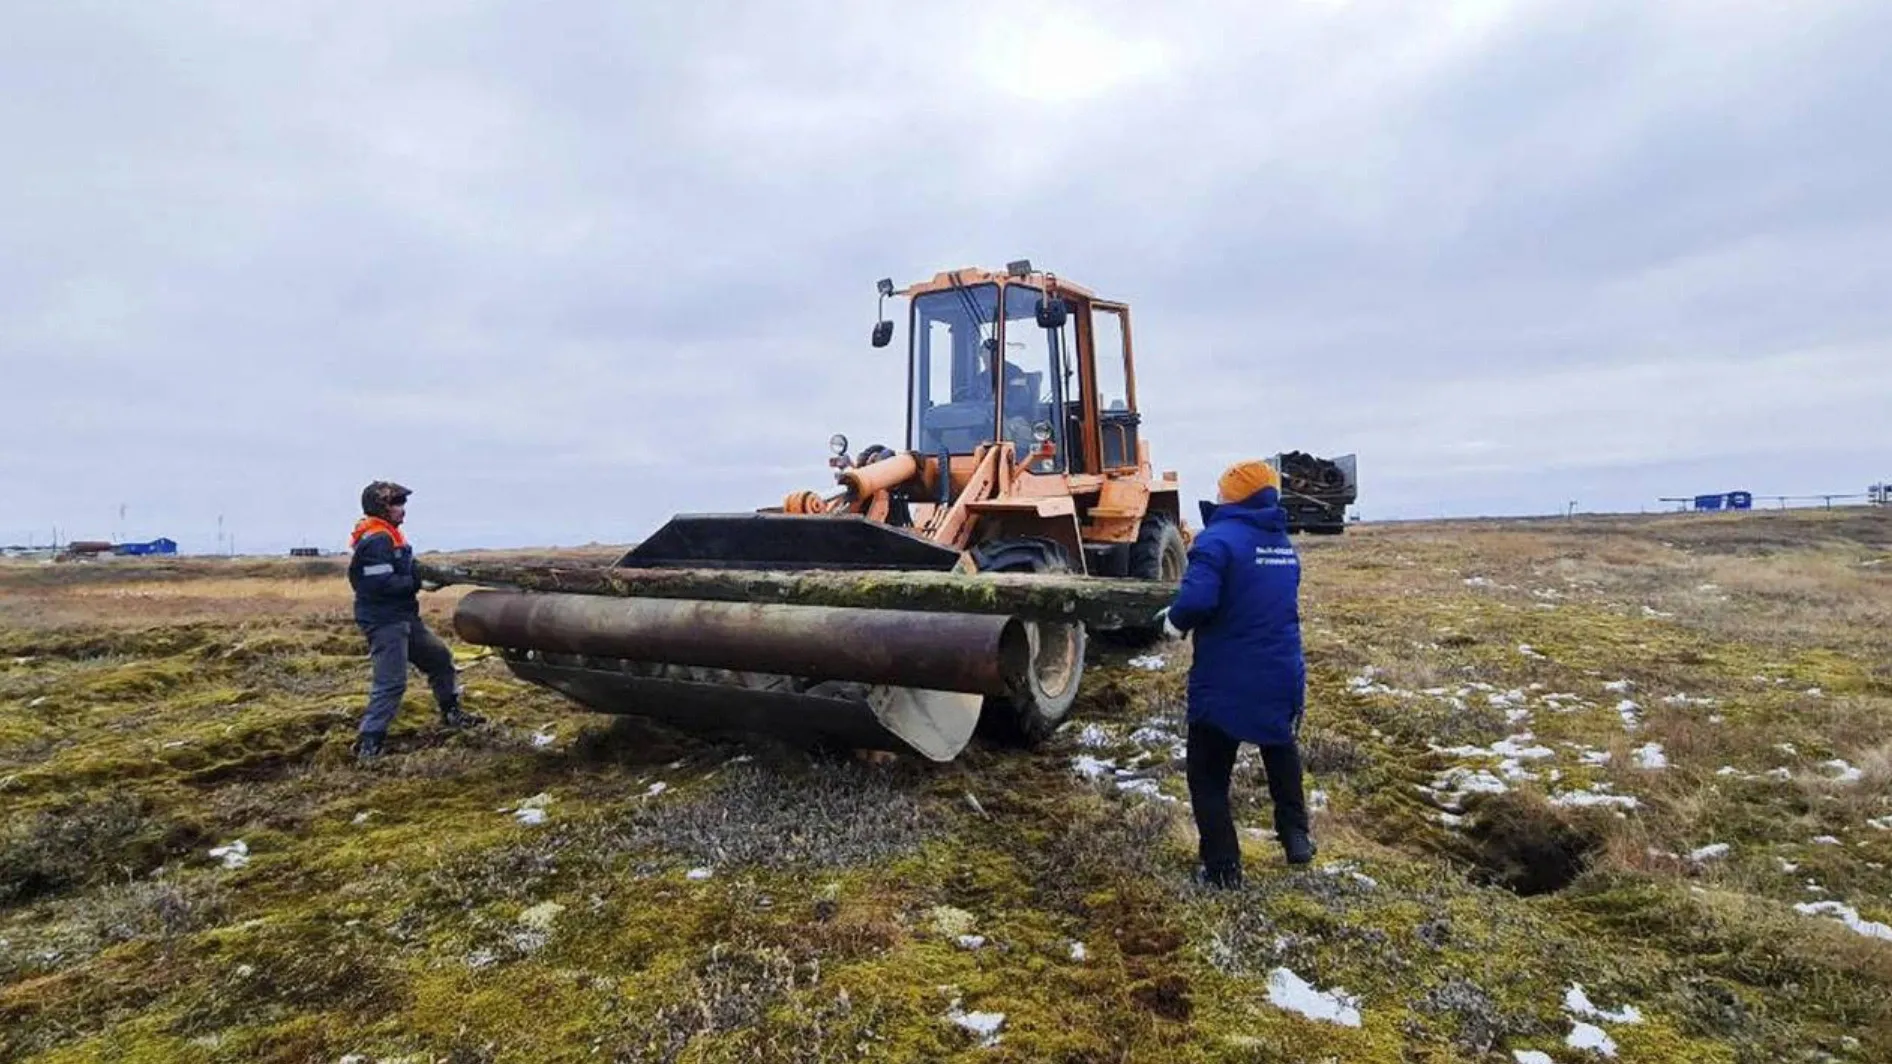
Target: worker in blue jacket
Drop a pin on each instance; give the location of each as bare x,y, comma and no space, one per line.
387,610
1240,600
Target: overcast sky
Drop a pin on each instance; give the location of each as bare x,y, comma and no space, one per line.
560,268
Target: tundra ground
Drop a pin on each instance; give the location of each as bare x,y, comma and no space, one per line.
1585,788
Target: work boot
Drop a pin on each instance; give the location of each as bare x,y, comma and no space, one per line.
1219,878
455,717
368,746
1299,847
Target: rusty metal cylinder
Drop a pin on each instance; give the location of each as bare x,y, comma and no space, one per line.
935,651
882,475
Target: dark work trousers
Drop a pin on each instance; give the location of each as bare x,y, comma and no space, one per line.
391,647
1211,761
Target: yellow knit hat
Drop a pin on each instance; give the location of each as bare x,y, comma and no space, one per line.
1246,478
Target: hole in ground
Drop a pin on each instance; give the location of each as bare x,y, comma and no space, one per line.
1528,846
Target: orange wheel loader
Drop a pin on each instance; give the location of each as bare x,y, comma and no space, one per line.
1022,454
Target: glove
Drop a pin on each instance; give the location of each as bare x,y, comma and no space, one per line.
1170,631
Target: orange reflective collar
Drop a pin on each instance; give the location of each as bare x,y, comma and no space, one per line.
368,526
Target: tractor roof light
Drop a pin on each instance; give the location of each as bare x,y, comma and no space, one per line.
1019,268
837,443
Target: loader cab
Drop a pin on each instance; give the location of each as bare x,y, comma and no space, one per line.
983,368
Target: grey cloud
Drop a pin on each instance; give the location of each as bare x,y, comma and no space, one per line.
569,270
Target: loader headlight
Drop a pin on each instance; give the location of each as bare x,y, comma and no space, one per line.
1041,432
837,443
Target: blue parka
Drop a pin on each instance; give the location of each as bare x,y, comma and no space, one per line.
1240,599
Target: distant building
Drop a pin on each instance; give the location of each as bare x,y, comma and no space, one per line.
161,545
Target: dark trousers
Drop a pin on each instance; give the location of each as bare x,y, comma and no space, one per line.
1211,761
392,647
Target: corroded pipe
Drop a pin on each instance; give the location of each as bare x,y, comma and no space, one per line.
935,651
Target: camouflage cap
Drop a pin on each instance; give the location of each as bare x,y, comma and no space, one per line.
378,496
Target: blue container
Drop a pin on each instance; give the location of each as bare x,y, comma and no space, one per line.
1708,502
1740,500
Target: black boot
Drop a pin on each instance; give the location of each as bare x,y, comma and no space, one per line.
1299,847
368,746
455,717
1219,878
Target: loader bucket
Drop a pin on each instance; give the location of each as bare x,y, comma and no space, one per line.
785,542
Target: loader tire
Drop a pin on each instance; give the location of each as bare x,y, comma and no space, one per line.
1043,693
1158,554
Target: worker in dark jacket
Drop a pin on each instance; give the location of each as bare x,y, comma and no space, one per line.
1240,599
387,610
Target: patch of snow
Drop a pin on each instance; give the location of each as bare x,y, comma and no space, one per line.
970,941
1147,788
529,815
1149,662
1093,736
1510,768
1594,757
1516,716
1529,651
1451,820
1629,711
1782,773
1883,823
1727,770
1826,840
1787,748
1590,1036
1480,581
1650,756
1814,692
1619,686
1152,735
1651,611
1078,952
1714,851
1786,865
233,854
1577,1003
362,817
984,1024
1289,991
1716,718
1462,781
1316,801
1843,772
656,789
1591,798
1513,746
1531,1056
1688,700
699,873
1847,915
1092,768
